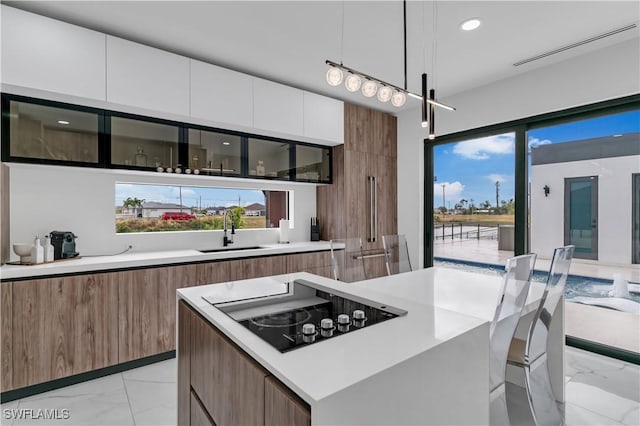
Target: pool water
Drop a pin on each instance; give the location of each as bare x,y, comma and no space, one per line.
577,286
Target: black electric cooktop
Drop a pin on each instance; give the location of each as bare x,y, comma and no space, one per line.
301,313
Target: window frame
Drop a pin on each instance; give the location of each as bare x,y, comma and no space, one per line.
521,128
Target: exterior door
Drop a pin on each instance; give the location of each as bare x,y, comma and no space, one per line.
581,216
636,218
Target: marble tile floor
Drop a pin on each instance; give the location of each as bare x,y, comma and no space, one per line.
599,391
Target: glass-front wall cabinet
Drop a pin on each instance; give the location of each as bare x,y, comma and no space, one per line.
269,158
143,143
313,163
49,132
42,132
215,153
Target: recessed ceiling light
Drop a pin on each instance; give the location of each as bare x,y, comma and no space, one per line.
226,143
470,24
63,122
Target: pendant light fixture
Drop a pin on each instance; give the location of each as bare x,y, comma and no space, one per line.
371,86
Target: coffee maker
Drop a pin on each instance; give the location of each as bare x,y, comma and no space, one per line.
64,244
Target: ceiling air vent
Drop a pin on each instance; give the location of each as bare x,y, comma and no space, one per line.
576,44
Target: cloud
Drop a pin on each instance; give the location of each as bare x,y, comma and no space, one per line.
493,177
535,142
452,190
482,148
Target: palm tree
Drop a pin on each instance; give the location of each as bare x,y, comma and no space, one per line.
133,203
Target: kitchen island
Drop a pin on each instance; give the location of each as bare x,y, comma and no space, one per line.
430,366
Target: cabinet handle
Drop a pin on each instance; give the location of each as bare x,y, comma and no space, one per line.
373,210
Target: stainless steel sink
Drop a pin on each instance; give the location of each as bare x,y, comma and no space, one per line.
215,250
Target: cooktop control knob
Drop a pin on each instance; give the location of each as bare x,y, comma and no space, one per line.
343,319
308,329
358,315
326,324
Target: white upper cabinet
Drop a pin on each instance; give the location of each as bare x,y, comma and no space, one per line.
221,95
323,118
141,76
46,54
277,107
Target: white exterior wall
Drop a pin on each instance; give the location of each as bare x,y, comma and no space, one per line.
47,198
597,76
614,205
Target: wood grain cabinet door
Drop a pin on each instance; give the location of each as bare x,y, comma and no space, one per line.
199,416
63,326
147,309
282,407
229,384
6,324
308,262
264,266
213,272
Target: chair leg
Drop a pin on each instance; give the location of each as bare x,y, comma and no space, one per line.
544,407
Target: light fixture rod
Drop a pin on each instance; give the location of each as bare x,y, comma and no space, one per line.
393,86
404,20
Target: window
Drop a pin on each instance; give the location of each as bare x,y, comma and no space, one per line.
157,208
574,180
473,198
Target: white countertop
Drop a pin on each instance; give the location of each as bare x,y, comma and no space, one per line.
318,371
150,258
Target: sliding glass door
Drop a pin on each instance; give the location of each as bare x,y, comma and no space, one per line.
473,200
636,218
570,177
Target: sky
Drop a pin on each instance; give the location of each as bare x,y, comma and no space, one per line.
192,196
470,169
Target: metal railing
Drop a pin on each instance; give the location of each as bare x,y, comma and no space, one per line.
462,231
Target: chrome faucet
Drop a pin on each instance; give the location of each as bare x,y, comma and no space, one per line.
226,240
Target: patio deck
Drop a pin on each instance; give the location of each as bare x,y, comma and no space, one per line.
605,326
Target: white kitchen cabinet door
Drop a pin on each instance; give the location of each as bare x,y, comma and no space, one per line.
46,54
323,118
221,95
145,77
277,107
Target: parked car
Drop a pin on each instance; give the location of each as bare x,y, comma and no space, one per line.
177,216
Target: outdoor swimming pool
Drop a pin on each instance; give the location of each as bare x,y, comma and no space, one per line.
577,286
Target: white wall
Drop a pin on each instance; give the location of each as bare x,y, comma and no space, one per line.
82,200
614,205
600,75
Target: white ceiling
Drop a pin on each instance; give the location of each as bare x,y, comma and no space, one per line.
288,41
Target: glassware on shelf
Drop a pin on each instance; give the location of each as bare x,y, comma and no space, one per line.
140,159
260,171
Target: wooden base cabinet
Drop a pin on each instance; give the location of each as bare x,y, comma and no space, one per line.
146,318
52,328
219,384
59,327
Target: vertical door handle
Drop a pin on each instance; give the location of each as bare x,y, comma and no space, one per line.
373,210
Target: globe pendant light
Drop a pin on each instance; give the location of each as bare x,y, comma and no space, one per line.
353,82
384,94
369,88
398,99
334,76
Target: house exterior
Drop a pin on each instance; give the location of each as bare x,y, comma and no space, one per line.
255,209
154,209
592,200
